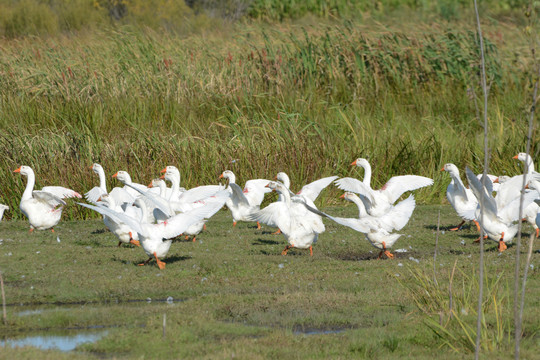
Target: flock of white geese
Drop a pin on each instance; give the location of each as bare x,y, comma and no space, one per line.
152,216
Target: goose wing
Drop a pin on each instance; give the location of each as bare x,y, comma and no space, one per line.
155,200
238,196
94,194
255,189
116,216
397,185
48,198
478,189
121,196
276,214
62,192
178,224
355,224
355,186
510,212
313,189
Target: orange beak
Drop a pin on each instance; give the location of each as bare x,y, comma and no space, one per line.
220,176
150,185
515,157
275,177
99,199
164,170
442,169
162,177
496,181
17,170
91,167
353,163
115,174
342,196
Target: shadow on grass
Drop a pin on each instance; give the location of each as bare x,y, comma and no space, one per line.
99,231
265,242
467,227
375,256
168,260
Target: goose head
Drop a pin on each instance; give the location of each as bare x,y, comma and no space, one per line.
276,186
122,176
501,179
24,170
106,200
451,168
170,172
283,178
349,196
157,182
360,162
228,174
525,158
96,168
522,156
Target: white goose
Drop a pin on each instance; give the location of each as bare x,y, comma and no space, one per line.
298,225
311,191
461,198
43,208
2,209
162,209
379,202
242,203
151,236
378,230
123,232
530,213
125,178
500,218
120,195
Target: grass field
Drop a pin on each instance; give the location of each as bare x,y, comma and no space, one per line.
236,296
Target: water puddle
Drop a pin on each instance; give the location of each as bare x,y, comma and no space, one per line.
66,342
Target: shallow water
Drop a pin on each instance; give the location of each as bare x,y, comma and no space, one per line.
57,342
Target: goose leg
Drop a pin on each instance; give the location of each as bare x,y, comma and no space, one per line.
234,224
287,248
458,227
31,230
537,231
277,232
160,263
258,225
144,263
194,238
385,252
52,230
311,250
502,246
477,225
478,240
131,241
119,243
204,226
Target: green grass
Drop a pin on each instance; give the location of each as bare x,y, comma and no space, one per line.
240,296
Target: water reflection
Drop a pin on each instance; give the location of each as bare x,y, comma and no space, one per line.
58,342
